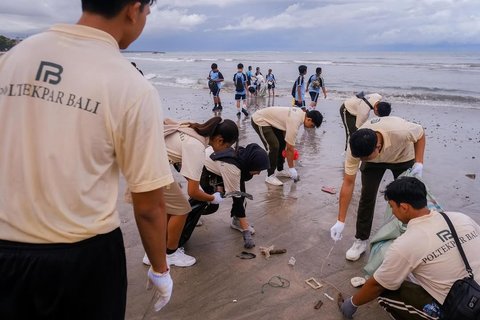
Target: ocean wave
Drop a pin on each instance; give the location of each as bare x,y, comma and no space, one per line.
313,62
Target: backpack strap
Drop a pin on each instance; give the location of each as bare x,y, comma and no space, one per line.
459,245
368,103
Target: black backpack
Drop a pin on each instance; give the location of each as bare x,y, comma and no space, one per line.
239,86
295,85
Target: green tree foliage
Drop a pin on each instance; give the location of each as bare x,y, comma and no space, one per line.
6,43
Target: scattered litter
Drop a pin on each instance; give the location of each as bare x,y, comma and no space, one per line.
357,281
277,282
246,255
234,300
328,296
471,176
267,251
318,305
292,261
313,283
330,190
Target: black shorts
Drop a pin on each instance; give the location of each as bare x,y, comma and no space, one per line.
271,86
215,92
314,95
239,96
83,280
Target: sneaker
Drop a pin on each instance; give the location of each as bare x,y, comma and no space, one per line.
220,108
239,114
273,180
358,247
180,259
235,224
215,109
146,261
245,112
283,173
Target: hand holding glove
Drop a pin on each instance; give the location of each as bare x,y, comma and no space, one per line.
163,287
217,198
348,308
293,173
336,230
417,169
248,242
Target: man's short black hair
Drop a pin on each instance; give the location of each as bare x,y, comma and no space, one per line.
384,109
407,190
316,117
318,70
302,69
110,8
214,66
240,66
363,143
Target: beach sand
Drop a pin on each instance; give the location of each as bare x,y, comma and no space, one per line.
296,217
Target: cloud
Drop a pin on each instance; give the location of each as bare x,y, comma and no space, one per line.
162,21
197,3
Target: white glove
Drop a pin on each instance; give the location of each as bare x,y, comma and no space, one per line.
336,230
293,173
217,198
163,287
417,169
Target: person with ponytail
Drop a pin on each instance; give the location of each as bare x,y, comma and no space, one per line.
185,143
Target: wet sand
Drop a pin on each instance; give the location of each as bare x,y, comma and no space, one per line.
296,217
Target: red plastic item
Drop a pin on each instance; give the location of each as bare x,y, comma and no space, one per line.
296,155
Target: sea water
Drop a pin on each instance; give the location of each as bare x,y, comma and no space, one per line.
439,79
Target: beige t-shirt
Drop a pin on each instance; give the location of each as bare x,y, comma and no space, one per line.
399,136
288,119
73,113
230,173
358,108
189,151
428,251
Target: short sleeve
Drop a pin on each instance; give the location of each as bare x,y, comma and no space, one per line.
351,163
394,269
416,132
193,157
140,145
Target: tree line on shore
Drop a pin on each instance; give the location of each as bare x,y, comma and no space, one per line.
7,43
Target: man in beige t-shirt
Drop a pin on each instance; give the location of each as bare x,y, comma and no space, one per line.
278,128
382,143
73,114
426,250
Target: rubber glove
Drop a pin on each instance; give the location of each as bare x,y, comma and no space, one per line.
293,173
417,169
163,287
248,242
336,230
348,309
217,198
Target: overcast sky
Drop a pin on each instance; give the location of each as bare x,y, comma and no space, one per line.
278,25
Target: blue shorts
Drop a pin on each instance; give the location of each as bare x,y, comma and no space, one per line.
240,96
314,95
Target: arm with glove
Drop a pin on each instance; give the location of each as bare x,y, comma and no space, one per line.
346,193
290,156
419,148
369,291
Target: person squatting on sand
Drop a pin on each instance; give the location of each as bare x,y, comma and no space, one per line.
60,230
278,128
380,144
314,84
215,79
355,111
186,143
235,167
426,250
240,82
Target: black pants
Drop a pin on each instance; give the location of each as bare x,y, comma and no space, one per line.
407,302
349,122
83,280
274,141
372,174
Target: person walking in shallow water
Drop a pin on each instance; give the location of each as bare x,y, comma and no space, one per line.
61,245
298,90
240,82
215,79
270,82
314,84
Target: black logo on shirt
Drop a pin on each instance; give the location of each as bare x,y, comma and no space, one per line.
49,71
444,235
